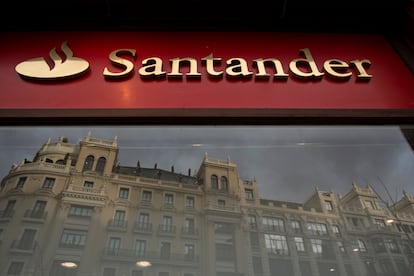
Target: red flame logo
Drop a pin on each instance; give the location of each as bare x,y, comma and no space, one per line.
38,68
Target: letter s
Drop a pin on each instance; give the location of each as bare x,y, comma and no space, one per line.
120,62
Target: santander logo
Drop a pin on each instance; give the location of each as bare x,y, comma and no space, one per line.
39,69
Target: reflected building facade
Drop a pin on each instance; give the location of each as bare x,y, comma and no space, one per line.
75,203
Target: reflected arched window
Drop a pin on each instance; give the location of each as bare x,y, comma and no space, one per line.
100,166
214,183
223,184
60,162
48,160
87,166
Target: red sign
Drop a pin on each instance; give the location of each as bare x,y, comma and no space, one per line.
316,71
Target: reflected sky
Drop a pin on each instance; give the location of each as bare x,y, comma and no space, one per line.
288,162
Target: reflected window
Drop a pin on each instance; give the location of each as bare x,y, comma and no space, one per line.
189,201
189,252
316,246
251,220
248,194
317,229
15,268
88,184
87,166
114,244
146,196
9,211
165,250
140,248
27,240
214,183
72,238
361,246
100,166
224,184
169,199
300,244
296,228
21,182
328,205
123,193
276,244
336,231
80,211
143,221
48,183
273,224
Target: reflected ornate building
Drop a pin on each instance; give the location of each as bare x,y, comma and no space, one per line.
74,203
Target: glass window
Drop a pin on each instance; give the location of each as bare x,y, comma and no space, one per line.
147,196
214,182
316,246
88,184
273,224
27,240
169,199
87,166
225,252
143,221
335,230
15,268
167,225
276,244
80,211
296,228
72,238
140,248
100,165
189,226
119,218
21,182
224,184
391,245
165,250
369,204
189,251
223,227
328,205
114,244
341,246
48,183
379,222
9,211
123,193
248,194
189,201
299,243
378,244
361,246
251,220
317,229
38,209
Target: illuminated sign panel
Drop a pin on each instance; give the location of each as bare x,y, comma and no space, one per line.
129,70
